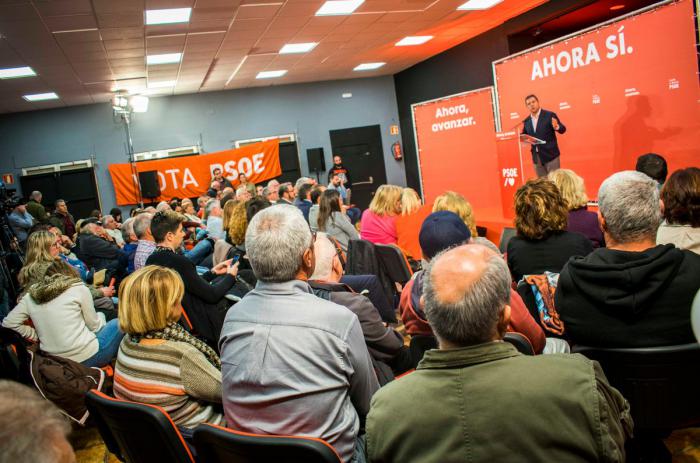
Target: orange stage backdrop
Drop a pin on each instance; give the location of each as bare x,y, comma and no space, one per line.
187,177
622,90
456,147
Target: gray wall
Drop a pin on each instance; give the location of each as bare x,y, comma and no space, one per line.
215,118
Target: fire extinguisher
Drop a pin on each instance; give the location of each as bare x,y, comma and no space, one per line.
396,151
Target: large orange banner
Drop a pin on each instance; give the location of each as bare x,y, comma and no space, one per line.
456,144
190,176
624,89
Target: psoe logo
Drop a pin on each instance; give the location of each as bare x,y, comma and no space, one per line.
509,176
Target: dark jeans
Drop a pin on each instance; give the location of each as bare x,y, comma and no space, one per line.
109,338
200,252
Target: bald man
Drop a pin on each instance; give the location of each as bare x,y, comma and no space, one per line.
477,399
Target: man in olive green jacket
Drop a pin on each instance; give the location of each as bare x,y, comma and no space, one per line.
35,208
476,399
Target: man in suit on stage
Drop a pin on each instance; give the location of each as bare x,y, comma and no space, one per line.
543,124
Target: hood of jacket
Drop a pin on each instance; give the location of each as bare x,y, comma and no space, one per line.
49,288
625,281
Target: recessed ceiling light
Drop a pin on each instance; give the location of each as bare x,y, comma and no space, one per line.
617,7
41,96
166,58
270,74
413,40
168,16
139,103
162,84
479,4
368,66
338,7
298,47
12,73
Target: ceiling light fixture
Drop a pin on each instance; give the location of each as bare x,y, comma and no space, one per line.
479,4
298,48
168,16
41,96
338,7
139,103
13,73
617,7
270,74
162,84
165,58
413,40
368,66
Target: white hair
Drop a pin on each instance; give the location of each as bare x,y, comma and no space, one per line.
35,194
142,223
325,254
163,206
629,203
302,181
276,241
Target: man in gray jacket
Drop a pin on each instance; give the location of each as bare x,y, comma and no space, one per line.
292,363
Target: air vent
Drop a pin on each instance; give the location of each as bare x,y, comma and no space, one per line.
62,167
167,153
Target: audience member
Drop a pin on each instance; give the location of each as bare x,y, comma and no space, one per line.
214,190
146,243
163,206
98,252
214,218
96,214
227,194
653,165
303,201
204,302
542,243
189,212
21,221
408,224
243,182
218,176
378,223
286,193
201,203
333,221
254,206
635,293
455,202
35,208
62,219
550,407
32,429
336,183
117,214
385,345
580,219
315,197
111,226
440,231
64,319
130,242
681,210
237,225
297,333
273,188
159,362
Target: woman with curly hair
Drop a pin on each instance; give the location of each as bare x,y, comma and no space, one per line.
542,242
680,196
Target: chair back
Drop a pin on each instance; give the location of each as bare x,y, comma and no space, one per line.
421,343
14,358
659,382
393,261
216,444
520,342
506,235
137,433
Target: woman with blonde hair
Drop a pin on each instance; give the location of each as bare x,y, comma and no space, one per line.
580,219
410,201
542,243
159,362
455,202
379,220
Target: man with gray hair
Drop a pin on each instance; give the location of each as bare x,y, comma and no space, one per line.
31,428
476,391
634,293
292,363
146,243
214,218
36,209
111,226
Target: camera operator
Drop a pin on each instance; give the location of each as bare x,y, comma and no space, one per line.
20,221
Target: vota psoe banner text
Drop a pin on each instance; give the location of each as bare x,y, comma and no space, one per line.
625,89
190,176
457,149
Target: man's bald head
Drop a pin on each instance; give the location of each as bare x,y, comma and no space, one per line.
466,290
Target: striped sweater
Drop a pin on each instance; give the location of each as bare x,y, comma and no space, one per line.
173,375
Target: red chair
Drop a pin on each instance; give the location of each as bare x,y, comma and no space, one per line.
137,433
216,444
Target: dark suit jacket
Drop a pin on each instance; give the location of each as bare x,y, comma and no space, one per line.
546,132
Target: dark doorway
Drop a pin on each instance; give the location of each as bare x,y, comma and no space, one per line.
77,187
363,156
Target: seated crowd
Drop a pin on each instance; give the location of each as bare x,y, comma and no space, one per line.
236,308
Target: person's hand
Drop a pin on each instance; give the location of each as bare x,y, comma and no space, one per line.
555,123
233,269
108,291
66,241
221,267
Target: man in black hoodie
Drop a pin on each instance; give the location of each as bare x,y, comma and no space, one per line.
633,293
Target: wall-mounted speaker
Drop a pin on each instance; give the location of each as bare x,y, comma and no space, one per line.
148,181
317,163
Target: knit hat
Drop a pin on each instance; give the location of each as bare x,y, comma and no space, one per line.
442,230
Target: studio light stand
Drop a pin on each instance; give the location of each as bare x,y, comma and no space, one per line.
124,108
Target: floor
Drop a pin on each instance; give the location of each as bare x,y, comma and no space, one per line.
89,448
